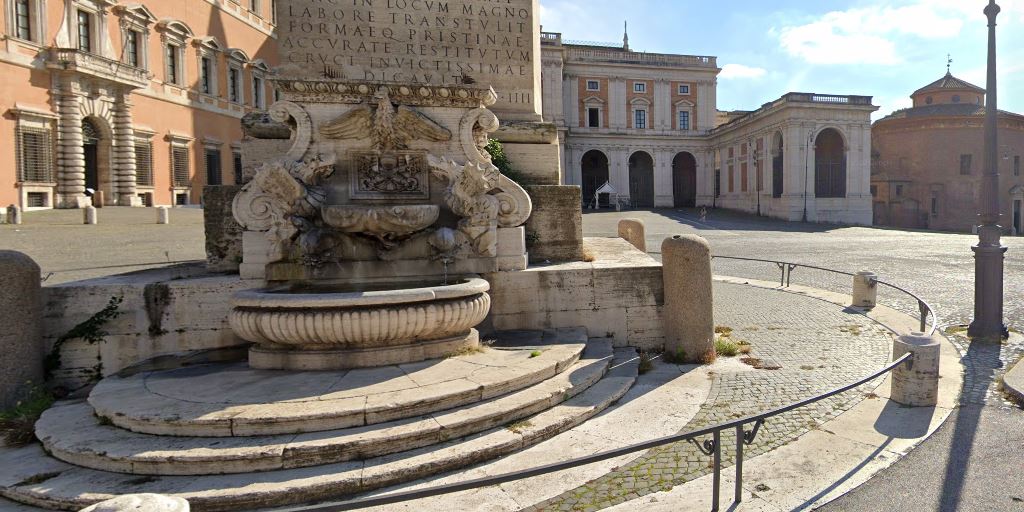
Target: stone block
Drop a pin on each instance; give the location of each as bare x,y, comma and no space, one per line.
688,316
21,333
510,263
555,230
916,383
537,164
255,152
140,503
511,241
632,231
223,233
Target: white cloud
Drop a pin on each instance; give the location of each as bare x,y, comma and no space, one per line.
731,71
871,35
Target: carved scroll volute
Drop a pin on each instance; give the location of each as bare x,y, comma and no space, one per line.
285,111
514,204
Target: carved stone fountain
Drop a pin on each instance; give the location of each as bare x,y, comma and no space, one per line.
386,193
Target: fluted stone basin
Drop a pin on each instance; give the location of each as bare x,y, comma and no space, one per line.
328,326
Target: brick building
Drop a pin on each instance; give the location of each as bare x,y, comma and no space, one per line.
140,101
927,160
647,123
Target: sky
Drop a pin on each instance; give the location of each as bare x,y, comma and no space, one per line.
881,48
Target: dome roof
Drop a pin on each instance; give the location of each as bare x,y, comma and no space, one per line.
947,83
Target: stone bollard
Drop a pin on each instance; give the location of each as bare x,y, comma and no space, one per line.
916,384
865,289
163,215
140,503
13,214
632,231
98,199
688,317
21,331
89,215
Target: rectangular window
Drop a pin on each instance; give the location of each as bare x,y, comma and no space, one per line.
84,31
37,199
899,190
935,206
684,89
874,190
593,85
179,167
594,117
718,183
640,119
639,87
965,165
213,167
236,161
257,92
131,48
732,179
181,199
144,163
172,64
206,75
684,120
35,155
1016,166
23,20
743,177
233,83
254,6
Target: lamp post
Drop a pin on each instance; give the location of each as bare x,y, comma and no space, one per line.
989,253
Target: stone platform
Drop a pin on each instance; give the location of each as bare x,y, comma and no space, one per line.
226,437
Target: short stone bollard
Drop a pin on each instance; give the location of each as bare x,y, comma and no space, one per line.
163,215
916,383
89,215
21,331
632,231
140,503
865,289
688,316
13,214
98,199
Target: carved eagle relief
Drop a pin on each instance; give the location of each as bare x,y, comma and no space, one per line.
388,127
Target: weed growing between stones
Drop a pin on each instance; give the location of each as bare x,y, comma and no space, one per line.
91,331
726,347
17,425
468,351
646,363
518,426
535,353
677,357
501,161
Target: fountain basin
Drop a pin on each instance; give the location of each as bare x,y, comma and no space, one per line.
328,326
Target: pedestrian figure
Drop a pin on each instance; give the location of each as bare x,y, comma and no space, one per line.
703,213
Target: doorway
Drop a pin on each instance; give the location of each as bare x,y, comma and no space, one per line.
684,181
641,180
595,174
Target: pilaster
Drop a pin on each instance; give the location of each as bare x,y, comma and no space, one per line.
71,153
124,152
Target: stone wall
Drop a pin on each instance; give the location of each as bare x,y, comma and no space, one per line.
223,233
164,312
555,230
619,295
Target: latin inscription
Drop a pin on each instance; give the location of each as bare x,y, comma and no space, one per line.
438,42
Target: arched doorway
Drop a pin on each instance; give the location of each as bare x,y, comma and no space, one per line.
829,164
594,174
96,142
684,180
641,180
778,163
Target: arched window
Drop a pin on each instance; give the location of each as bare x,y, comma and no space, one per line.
829,164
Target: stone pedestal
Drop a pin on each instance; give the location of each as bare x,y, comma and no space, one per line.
689,320
21,332
140,503
554,231
865,289
99,199
163,215
89,215
916,383
223,233
632,231
13,214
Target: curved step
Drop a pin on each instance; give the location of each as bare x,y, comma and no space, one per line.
74,434
29,476
235,401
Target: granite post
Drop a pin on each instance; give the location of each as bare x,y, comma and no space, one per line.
89,215
13,214
916,383
689,319
163,215
865,289
632,231
21,334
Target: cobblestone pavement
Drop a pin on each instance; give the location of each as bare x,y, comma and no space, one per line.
812,345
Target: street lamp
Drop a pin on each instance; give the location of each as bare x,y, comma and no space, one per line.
990,252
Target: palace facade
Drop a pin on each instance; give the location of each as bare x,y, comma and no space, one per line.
140,102
648,125
928,160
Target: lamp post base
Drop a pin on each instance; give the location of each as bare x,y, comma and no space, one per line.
988,285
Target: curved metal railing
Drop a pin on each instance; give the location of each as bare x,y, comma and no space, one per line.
786,268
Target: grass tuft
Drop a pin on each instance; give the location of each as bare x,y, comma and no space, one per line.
535,353
17,425
726,347
646,363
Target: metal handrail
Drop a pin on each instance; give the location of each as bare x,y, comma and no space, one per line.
711,447
924,309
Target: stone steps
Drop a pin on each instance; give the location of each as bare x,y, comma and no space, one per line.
30,476
236,401
74,434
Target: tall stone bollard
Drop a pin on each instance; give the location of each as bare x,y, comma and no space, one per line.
21,331
688,317
632,231
865,289
916,384
163,215
89,215
140,503
13,214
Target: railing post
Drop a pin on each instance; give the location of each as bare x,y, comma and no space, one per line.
717,481
738,494
922,308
